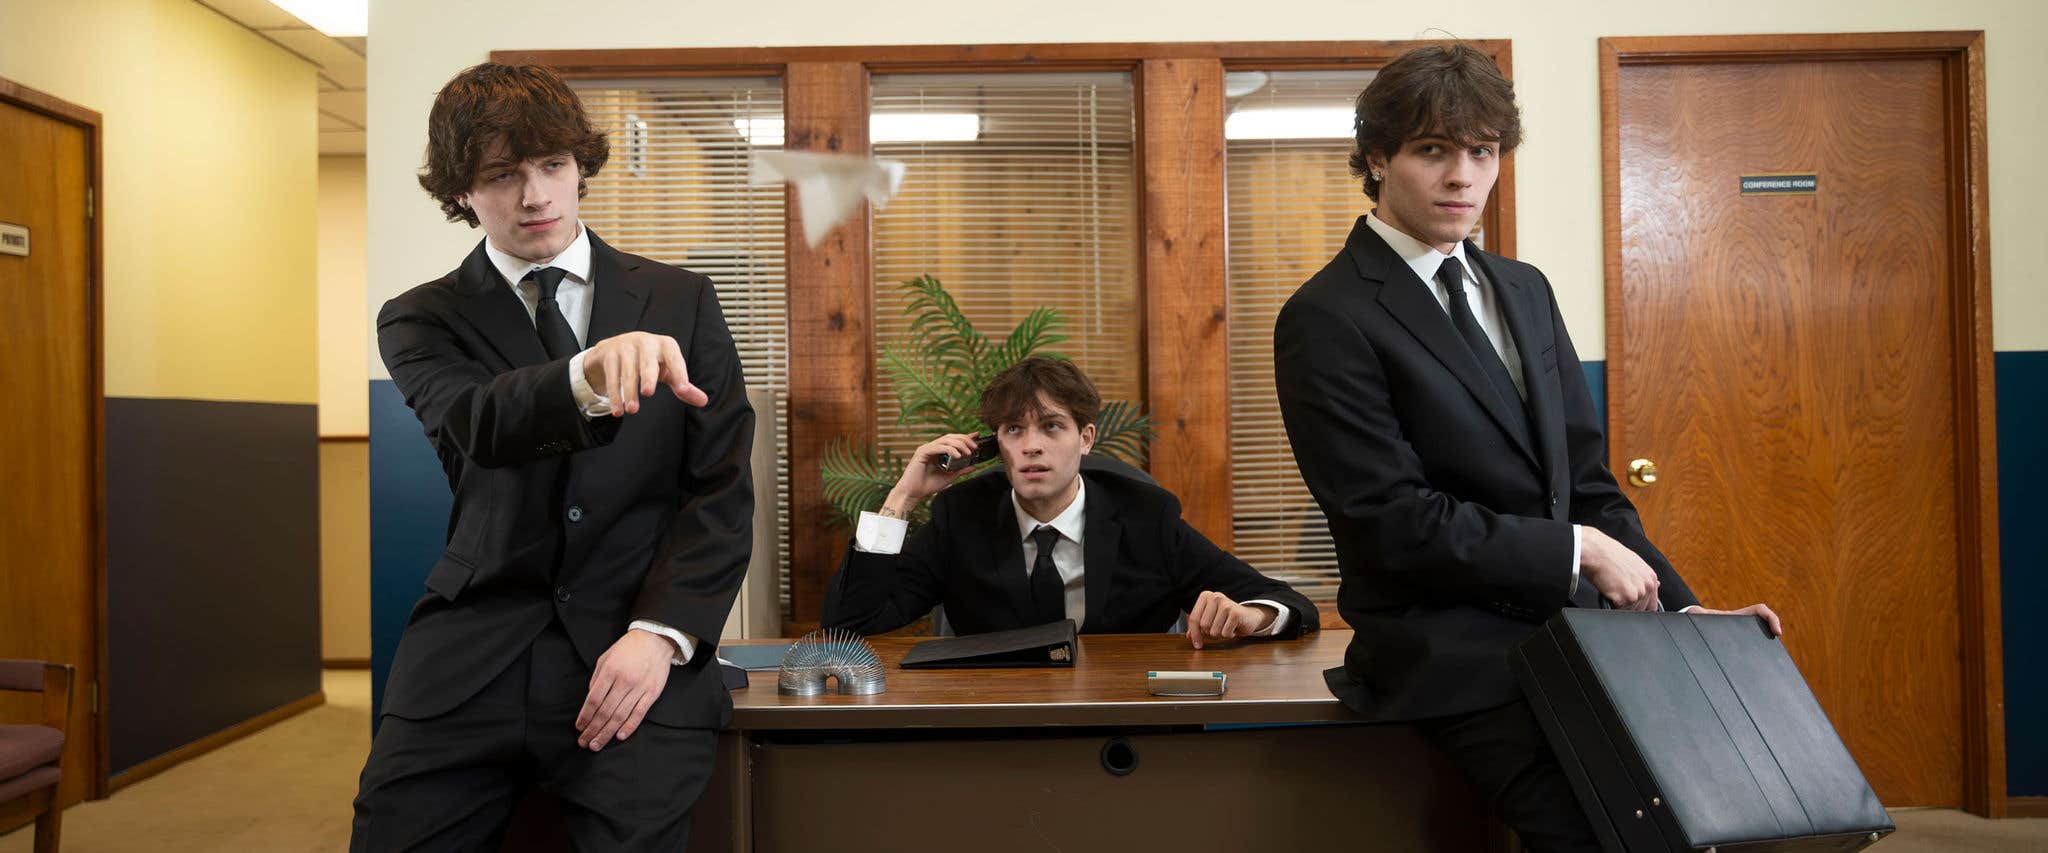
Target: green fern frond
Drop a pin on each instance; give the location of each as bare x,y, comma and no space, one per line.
1123,432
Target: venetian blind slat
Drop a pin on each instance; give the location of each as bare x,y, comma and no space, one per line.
675,190
1289,204
1039,209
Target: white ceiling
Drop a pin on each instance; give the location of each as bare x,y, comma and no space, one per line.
342,67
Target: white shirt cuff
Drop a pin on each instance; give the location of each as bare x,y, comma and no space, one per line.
878,534
1280,617
1575,563
686,645
587,399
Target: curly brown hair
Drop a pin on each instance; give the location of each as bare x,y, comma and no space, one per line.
527,105
1451,89
1015,392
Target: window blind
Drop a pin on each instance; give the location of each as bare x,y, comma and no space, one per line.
675,190
1290,202
1031,202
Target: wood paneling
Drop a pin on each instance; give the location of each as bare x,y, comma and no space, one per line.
1810,373
51,581
1187,337
831,322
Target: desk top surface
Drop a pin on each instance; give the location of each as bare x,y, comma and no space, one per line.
1270,681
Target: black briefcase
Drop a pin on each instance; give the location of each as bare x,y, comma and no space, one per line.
1693,732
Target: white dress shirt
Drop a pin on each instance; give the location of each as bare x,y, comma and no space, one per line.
573,296
877,534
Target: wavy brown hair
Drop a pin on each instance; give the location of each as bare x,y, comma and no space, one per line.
527,105
1454,90
1015,392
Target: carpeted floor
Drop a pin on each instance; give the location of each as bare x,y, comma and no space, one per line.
288,788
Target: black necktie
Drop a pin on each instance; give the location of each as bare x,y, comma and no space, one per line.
1452,275
1048,592
555,334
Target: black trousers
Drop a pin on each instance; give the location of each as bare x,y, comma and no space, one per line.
450,782
1502,751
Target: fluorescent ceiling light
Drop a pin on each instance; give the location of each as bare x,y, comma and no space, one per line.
766,129
1289,123
338,18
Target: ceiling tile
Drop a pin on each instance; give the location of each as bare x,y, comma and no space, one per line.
343,142
255,14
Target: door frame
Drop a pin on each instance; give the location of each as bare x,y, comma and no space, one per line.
96,548
1961,54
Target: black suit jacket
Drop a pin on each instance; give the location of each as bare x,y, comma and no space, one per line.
1453,534
1143,563
595,522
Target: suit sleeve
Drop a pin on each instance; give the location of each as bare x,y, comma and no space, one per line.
1597,500
877,593
492,420
1348,442
1211,568
703,557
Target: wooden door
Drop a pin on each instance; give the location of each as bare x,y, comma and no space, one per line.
1798,367
50,590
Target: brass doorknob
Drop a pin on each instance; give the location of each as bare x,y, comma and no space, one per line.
1642,472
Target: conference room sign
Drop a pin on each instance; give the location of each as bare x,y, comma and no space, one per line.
1781,183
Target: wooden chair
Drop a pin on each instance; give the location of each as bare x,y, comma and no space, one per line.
29,753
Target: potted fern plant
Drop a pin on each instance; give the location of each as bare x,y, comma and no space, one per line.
938,375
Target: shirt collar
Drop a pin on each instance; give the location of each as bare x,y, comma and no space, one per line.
1421,257
574,260
1068,522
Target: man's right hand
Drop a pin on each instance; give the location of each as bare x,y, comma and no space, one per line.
922,477
627,367
1616,572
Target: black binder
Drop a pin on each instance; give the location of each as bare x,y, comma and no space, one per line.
1050,644
1691,732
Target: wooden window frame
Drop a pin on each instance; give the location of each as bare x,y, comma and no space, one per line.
1183,273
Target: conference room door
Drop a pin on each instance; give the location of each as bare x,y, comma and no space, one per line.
50,578
1798,369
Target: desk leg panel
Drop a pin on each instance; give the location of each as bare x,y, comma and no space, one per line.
1376,787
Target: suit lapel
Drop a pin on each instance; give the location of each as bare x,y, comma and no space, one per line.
1521,310
619,296
1413,304
1006,557
1101,535
497,311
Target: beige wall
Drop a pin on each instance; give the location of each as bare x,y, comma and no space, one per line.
419,45
344,278
211,142
345,550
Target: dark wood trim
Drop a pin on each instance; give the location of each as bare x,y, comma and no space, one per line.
1978,596
1185,285
343,439
831,324
89,120
2026,807
1077,56
215,741
345,663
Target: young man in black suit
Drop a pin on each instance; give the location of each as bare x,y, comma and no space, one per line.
1438,414
601,526
1053,534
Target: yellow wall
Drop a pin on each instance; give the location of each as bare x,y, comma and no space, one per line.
419,45
344,320
345,548
211,142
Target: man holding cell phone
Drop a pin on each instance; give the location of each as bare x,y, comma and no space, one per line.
1053,533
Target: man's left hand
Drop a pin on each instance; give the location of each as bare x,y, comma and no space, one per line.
1216,617
628,679
1760,611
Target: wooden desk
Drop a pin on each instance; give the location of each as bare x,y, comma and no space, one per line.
1020,759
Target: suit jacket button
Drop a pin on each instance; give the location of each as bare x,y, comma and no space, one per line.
562,594
575,514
